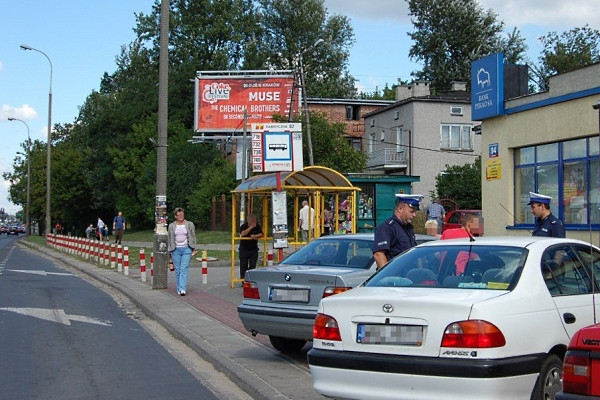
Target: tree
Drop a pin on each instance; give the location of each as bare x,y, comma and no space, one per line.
571,49
330,148
461,183
290,27
449,34
388,93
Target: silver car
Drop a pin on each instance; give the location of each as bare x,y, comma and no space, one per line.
282,301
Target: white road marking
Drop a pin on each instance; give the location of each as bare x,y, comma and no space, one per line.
37,272
55,315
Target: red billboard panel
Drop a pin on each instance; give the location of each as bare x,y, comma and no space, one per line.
221,101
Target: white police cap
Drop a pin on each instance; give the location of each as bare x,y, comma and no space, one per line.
411,199
538,198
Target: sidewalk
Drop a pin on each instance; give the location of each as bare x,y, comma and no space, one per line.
206,320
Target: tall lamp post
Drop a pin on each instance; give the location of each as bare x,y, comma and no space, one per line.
311,161
27,220
49,142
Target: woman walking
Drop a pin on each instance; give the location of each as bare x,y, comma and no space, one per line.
182,247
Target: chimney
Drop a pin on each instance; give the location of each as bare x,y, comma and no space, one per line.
403,92
420,88
458,86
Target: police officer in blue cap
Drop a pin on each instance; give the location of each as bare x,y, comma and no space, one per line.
546,224
395,235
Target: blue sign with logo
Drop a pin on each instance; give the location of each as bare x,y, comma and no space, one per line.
487,87
493,150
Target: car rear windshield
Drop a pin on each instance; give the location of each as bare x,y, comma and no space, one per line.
334,253
459,266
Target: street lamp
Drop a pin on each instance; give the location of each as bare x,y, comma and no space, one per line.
27,221
311,161
49,143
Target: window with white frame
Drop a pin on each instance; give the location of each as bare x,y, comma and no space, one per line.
456,137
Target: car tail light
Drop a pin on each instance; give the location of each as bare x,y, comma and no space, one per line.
577,377
473,334
326,328
331,290
251,290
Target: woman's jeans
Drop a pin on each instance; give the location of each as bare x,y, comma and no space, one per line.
181,257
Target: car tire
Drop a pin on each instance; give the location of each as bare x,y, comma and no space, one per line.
287,345
549,381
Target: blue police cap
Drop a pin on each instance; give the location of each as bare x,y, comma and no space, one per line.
538,198
411,199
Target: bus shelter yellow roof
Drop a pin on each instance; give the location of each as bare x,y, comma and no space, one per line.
303,182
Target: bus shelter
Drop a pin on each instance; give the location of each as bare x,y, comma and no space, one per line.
317,185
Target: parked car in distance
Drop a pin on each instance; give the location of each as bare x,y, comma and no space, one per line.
282,301
453,219
581,368
483,319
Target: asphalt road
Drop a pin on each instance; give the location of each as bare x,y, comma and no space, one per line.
63,338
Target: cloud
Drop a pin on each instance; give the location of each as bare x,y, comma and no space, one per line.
25,112
1,65
557,15
396,10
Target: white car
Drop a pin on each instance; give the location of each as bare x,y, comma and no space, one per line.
484,319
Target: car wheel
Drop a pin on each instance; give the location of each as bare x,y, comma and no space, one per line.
549,381
286,345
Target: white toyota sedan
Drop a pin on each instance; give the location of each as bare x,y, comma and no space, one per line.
458,319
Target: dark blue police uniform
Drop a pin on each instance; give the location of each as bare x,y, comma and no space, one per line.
393,237
549,226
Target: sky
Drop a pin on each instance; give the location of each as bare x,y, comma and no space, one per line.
83,37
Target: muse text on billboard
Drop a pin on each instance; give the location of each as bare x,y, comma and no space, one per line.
220,101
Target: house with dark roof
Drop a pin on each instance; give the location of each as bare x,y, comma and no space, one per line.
421,134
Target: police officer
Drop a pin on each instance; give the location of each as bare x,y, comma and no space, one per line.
546,224
395,235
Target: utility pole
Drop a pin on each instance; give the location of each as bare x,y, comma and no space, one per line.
160,245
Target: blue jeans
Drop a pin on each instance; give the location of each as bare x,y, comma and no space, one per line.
181,257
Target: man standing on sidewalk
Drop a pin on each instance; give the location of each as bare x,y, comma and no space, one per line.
249,247
119,226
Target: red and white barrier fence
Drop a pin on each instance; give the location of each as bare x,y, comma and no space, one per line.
126,260
204,268
143,265
119,258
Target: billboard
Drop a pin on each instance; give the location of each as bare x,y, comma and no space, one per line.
222,99
487,87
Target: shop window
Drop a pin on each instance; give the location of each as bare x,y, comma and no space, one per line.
567,171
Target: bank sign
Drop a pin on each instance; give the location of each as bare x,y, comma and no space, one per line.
487,87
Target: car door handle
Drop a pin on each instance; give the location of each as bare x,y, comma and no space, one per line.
569,318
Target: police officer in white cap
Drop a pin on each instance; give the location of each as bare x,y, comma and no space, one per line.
395,235
546,224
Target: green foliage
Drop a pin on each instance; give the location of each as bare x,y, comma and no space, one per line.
388,93
449,34
461,183
571,49
330,148
291,27
216,179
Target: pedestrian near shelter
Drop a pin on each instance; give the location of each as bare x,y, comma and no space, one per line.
316,184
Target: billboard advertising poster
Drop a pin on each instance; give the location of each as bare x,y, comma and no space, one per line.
487,87
221,100
277,147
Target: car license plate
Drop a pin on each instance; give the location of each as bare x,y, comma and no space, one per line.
291,295
409,335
